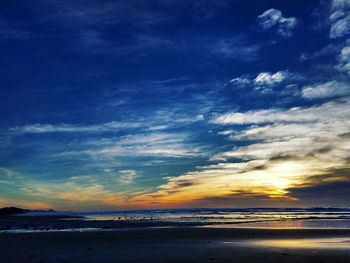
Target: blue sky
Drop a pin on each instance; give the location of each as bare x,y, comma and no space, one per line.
146,104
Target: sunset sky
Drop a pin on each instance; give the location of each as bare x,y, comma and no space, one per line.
165,103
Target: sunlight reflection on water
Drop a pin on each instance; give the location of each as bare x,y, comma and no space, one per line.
330,243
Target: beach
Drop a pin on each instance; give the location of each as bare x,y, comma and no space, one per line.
178,244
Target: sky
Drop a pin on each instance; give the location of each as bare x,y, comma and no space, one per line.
108,105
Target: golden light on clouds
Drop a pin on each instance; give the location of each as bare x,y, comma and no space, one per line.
302,149
271,180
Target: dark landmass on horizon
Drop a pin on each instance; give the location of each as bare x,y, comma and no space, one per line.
12,211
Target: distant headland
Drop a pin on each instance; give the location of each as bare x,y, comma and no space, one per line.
10,211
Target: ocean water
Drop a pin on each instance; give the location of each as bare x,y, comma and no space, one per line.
257,217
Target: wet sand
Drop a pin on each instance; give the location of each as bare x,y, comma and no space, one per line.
178,244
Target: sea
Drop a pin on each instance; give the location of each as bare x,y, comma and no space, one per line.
247,217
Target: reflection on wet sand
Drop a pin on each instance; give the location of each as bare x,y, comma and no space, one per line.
314,243
298,224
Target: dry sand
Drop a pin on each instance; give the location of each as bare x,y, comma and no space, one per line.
178,244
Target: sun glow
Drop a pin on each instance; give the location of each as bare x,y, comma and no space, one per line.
283,175
272,180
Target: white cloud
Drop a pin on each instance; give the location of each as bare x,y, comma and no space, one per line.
145,144
240,81
159,120
327,111
340,18
262,79
66,128
325,90
344,60
274,18
286,131
296,131
227,132
309,139
127,176
267,78
321,140
175,150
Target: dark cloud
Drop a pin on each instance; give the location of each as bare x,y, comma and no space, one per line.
326,194
330,189
242,199
184,183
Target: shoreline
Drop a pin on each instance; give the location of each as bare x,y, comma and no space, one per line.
207,231
59,223
215,231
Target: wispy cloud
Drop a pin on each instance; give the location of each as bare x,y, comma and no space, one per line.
326,90
152,144
344,60
78,192
327,111
339,18
159,120
127,176
234,48
67,128
8,32
77,196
